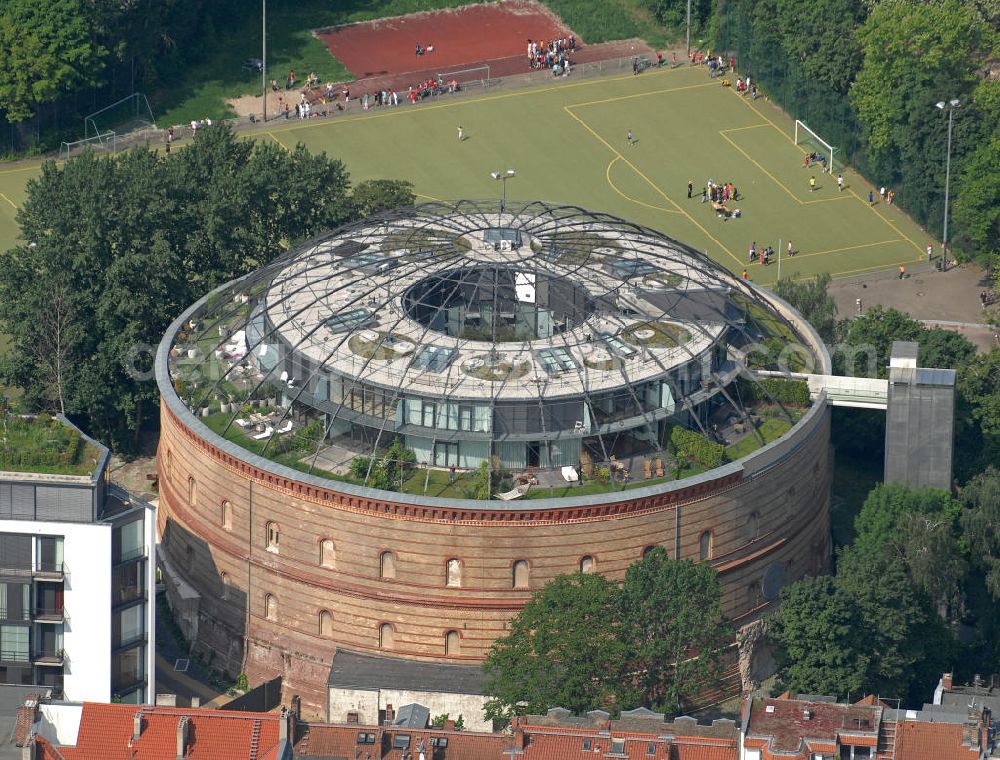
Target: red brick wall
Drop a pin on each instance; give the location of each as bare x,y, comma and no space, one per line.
791,499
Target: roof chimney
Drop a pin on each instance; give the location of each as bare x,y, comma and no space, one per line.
137,725
946,681
182,736
520,740
807,715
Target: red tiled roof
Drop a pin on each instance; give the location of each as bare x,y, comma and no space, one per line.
932,741
106,733
704,752
340,740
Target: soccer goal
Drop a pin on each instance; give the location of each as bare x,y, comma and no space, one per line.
106,141
130,113
478,75
806,138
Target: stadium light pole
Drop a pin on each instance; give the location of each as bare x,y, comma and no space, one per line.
263,57
503,176
951,105
689,28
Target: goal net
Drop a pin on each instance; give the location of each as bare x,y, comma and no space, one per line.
103,141
478,75
810,142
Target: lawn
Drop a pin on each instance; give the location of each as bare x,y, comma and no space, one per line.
770,429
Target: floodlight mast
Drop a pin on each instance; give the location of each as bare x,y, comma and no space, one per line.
263,59
951,105
503,176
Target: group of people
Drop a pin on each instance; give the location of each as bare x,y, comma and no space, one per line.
763,255
553,54
717,193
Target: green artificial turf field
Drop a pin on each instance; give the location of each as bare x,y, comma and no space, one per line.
566,140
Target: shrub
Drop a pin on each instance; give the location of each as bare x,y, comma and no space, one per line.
691,445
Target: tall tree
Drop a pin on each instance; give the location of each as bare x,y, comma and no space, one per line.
981,524
821,649
375,195
130,242
47,49
563,649
813,301
820,36
673,628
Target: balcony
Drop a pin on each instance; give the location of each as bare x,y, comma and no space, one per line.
14,655
51,571
50,657
49,614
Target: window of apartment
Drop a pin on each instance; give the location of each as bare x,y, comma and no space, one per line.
385,636
224,580
519,574
127,542
50,554
14,643
192,492
365,738
439,741
272,536
327,553
325,624
15,601
617,746
753,526
453,572
270,607
128,668
651,749
227,515
586,564
705,546
452,643
646,551
128,583
586,745
387,565
127,625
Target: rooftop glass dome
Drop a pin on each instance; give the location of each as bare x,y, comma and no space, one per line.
409,347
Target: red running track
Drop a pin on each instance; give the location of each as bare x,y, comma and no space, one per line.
462,38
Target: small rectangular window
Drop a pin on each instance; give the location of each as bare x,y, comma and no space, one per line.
586,745
651,748
439,741
401,741
617,746
365,738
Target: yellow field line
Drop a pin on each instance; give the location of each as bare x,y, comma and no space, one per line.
778,182
607,175
8,200
848,248
428,197
401,109
22,169
887,221
640,95
271,135
790,139
749,126
667,198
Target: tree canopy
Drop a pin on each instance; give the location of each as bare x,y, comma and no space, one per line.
813,301
583,642
47,49
127,243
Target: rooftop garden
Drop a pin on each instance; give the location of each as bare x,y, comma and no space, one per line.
45,445
656,335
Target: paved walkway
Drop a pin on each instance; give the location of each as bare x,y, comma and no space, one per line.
942,299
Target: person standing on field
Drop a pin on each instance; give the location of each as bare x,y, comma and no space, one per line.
840,183
461,134
690,188
812,184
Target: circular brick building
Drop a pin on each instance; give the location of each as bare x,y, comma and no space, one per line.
386,440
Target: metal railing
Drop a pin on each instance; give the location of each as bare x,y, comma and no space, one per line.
14,655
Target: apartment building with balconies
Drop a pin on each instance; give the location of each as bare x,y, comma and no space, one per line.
77,568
